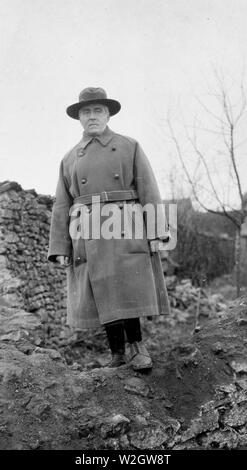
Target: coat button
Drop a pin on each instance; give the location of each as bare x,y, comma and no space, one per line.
81,153
116,176
120,205
123,233
84,180
113,149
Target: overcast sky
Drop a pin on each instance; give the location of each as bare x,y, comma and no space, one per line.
148,54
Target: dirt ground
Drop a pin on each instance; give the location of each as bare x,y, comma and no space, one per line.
194,397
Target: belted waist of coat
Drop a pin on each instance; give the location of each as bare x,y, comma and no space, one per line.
107,196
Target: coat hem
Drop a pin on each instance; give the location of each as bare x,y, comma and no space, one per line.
146,312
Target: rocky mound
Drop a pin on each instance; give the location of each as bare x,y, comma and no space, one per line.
194,398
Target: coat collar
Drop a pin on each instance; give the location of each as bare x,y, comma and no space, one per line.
104,138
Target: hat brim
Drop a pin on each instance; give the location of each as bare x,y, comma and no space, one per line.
113,106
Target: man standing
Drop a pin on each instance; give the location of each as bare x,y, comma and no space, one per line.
112,281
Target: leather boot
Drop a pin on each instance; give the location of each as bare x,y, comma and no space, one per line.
139,356
118,359
116,340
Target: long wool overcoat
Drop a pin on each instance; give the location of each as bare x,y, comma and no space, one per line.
108,279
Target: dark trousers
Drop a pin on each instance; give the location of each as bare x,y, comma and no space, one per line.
115,332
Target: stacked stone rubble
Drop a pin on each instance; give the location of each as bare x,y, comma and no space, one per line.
28,280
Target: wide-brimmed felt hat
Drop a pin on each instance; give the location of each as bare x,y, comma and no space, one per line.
92,95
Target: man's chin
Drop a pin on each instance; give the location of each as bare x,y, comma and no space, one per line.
94,130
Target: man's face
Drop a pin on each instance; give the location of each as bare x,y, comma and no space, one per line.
94,118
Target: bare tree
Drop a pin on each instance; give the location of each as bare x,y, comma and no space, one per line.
226,113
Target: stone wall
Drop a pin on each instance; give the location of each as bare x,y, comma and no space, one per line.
27,279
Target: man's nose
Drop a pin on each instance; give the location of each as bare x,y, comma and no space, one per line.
92,115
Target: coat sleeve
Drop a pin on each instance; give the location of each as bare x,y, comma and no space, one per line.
60,242
148,193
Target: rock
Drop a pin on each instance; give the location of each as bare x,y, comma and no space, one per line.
226,388
92,410
217,347
186,349
242,321
236,416
168,404
10,372
113,444
38,407
242,383
76,366
136,386
157,435
207,422
124,442
77,391
14,336
140,421
225,439
86,379
239,366
66,414
114,424
52,353
34,444
26,400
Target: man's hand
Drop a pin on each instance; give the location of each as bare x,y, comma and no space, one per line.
63,260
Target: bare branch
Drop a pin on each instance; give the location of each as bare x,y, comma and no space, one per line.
243,107
206,130
225,139
227,108
201,156
210,112
232,155
179,153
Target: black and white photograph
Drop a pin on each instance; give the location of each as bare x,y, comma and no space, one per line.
123,231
